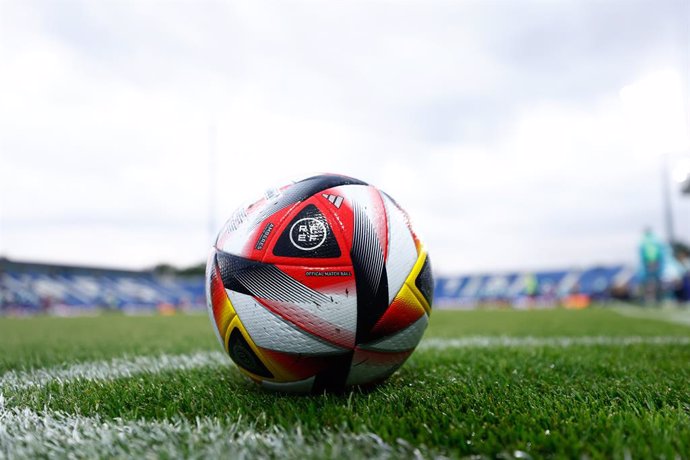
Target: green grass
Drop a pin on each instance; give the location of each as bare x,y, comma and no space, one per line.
600,401
45,341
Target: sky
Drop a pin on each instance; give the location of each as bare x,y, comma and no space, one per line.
517,134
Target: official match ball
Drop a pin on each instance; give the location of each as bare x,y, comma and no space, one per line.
318,286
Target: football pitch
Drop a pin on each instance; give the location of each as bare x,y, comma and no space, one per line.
596,383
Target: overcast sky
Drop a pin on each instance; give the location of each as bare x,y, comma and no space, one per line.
517,134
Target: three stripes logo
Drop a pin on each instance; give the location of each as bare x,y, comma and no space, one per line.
334,199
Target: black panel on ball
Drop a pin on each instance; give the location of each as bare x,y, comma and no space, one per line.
300,191
372,302
371,278
324,181
425,281
229,265
334,377
240,352
264,280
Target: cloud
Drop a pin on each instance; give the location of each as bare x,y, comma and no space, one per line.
498,125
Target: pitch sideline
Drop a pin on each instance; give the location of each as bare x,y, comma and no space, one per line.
110,369
558,342
669,315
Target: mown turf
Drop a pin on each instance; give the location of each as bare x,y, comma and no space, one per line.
597,401
593,400
43,341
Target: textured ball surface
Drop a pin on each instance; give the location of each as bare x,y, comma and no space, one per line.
319,285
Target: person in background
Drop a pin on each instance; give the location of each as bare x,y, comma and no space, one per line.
651,254
682,288
531,289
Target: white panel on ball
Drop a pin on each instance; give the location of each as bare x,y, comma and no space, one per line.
300,386
268,330
402,252
404,340
367,372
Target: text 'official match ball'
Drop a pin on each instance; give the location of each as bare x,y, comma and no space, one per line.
319,285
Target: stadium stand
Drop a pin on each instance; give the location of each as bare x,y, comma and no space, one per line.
28,288
550,287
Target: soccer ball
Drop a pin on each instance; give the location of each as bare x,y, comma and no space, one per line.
318,286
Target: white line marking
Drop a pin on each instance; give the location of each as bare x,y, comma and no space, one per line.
110,369
28,434
560,342
669,315
14,381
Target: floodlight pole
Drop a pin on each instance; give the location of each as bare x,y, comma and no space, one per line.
212,182
668,210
